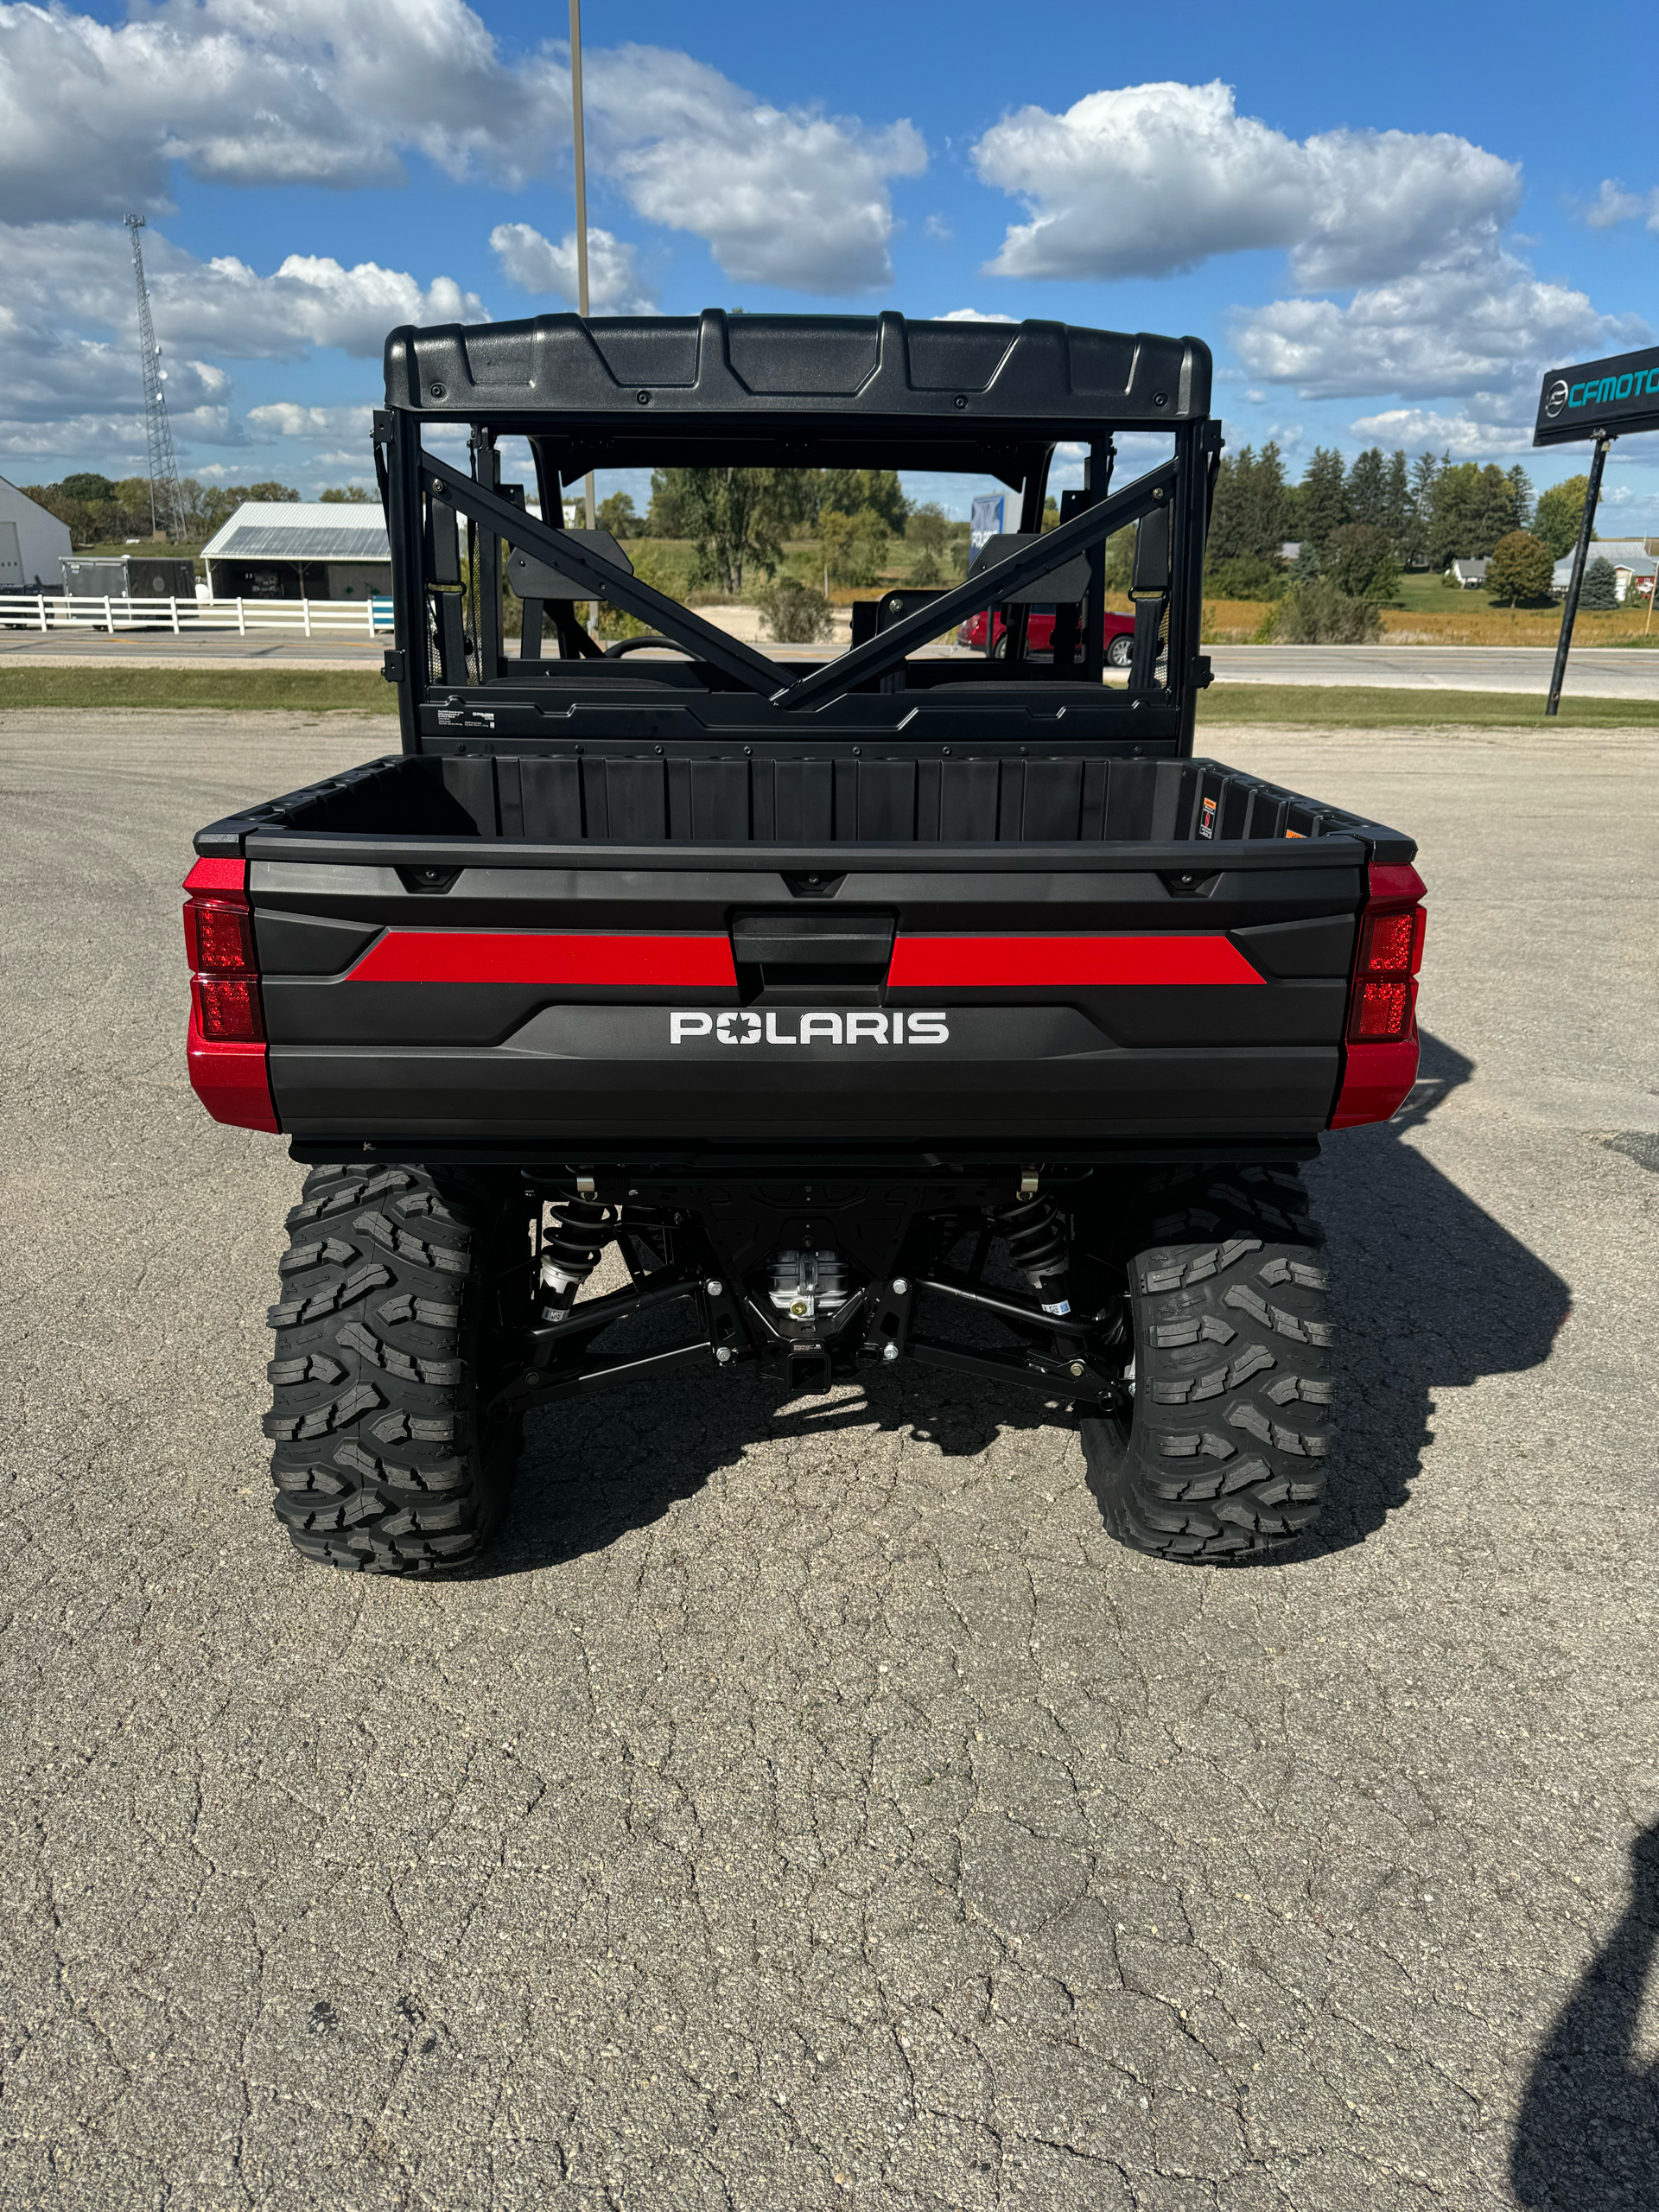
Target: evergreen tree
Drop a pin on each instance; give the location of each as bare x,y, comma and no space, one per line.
1397,519
1248,521
1520,490
1229,516
1425,471
1324,497
1362,562
1600,592
1367,490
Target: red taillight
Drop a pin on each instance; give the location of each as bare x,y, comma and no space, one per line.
1381,1010
1380,1062
1390,952
226,1054
228,1009
1385,944
219,938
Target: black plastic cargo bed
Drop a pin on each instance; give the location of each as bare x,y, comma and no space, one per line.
693,951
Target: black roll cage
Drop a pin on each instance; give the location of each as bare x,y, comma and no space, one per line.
457,686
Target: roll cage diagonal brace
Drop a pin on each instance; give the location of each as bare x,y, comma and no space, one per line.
864,663
601,579
989,588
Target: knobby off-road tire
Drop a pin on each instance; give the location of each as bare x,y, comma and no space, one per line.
1227,1449
400,1287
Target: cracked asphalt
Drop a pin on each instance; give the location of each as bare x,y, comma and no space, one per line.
813,1808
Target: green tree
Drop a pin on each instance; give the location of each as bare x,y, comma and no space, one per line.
1420,529
95,491
735,518
1521,570
1367,490
1360,560
349,495
1560,513
1521,497
1248,521
1473,508
1324,498
1600,592
1397,519
928,530
847,490
666,516
616,514
854,546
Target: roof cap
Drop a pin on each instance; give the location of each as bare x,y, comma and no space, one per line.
949,377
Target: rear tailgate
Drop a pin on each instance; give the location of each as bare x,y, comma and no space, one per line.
829,995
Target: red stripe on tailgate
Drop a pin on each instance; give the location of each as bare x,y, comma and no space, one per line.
513,956
1045,962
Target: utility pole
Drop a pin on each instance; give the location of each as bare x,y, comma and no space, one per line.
165,501
581,197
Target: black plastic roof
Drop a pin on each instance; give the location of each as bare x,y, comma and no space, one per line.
621,375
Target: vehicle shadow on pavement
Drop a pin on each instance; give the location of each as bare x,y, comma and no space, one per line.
1432,1293
1586,2138
592,1473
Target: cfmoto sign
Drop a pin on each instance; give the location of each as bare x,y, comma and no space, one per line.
1617,395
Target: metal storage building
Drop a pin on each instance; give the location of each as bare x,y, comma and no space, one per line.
32,543
300,548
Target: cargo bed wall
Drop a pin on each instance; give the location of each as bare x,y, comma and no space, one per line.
639,794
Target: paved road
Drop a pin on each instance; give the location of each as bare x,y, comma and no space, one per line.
813,1808
1607,673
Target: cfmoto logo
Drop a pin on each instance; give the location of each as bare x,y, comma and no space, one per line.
1556,399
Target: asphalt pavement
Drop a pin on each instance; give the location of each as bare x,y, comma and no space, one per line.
1603,672
810,1807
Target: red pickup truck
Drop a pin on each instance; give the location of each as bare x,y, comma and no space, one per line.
1039,636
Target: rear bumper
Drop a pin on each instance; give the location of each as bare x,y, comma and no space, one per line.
822,1097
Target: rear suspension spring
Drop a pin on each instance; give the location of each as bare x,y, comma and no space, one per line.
577,1231
1034,1233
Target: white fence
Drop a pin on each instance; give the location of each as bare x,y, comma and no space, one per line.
313,618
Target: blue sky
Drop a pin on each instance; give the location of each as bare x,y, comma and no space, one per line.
1386,226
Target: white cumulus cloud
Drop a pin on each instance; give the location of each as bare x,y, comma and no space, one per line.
789,197
1482,323
92,116
1462,435
95,116
535,264
1150,179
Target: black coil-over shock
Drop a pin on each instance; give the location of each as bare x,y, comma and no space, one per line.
1034,1233
577,1232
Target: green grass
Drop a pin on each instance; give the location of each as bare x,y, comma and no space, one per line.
1338,705
318,690
1344,706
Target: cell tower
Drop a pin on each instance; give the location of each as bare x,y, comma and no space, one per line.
166,502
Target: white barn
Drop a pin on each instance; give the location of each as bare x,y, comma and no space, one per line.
300,548
32,542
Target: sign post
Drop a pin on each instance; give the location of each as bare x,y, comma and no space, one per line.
1601,400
